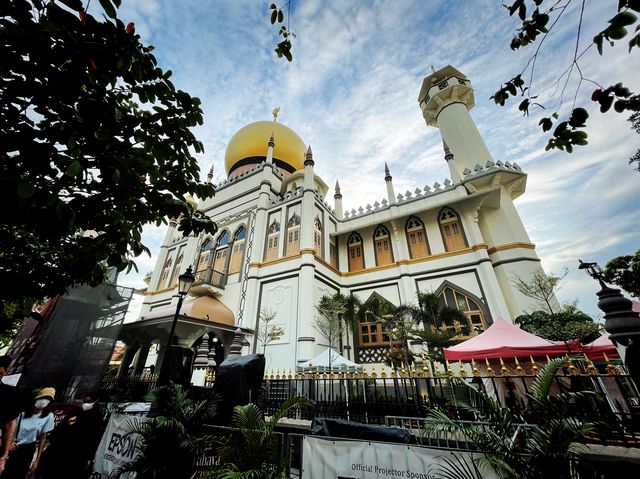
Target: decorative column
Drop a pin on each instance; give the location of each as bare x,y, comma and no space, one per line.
391,195
129,352
448,157
235,350
141,360
200,364
305,332
337,197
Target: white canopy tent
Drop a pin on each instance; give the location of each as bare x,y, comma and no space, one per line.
329,356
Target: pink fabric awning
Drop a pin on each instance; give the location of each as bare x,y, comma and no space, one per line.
504,340
601,346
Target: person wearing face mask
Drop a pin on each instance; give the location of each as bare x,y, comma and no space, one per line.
91,426
30,437
61,458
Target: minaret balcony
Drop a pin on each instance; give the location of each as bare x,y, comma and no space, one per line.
208,282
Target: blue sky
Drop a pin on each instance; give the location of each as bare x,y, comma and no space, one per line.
351,92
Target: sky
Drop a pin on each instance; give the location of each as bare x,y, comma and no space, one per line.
351,93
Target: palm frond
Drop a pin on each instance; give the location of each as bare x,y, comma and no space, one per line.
456,466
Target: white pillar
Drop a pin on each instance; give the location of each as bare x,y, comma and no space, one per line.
391,195
337,197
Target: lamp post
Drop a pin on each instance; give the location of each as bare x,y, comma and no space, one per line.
621,322
185,280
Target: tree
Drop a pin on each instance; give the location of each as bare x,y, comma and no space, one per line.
250,451
624,271
635,126
328,322
540,287
344,310
569,324
441,324
537,23
95,143
545,447
171,436
266,332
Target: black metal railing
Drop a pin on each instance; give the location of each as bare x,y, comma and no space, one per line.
210,276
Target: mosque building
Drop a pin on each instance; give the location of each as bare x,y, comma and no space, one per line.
281,246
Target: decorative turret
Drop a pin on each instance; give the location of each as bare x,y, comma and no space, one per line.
448,157
210,174
270,146
308,169
308,157
337,197
202,353
391,195
445,99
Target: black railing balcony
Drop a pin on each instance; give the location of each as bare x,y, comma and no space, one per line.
208,281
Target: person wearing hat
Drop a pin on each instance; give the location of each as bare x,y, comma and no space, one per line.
9,410
31,436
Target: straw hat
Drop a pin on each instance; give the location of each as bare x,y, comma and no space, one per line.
46,393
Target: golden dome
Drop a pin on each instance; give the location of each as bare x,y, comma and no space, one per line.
191,201
249,147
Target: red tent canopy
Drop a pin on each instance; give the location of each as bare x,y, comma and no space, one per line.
601,346
504,340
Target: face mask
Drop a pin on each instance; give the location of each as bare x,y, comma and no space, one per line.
42,403
86,406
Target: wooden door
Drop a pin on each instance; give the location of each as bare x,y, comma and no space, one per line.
221,260
356,259
418,244
383,251
272,248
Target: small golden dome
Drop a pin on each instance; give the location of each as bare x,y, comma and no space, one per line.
249,147
191,201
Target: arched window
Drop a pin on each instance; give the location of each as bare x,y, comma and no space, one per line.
166,271
452,298
451,229
333,253
416,238
356,253
317,237
205,256
176,271
382,244
237,251
273,238
222,252
293,235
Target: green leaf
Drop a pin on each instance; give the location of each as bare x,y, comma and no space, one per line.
75,5
74,169
274,17
280,16
108,7
618,33
25,189
623,19
598,41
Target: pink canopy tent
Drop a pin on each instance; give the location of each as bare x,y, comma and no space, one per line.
504,340
603,345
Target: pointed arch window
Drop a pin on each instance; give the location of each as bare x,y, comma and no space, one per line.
333,253
166,271
416,238
205,257
451,230
317,237
273,238
382,244
356,253
453,298
222,252
237,250
176,271
293,235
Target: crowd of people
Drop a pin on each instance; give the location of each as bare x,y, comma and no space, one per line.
33,446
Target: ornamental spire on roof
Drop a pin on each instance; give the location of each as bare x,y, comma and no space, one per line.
210,174
275,113
308,157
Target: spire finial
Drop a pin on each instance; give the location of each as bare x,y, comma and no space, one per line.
387,175
337,188
272,141
433,69
210,174
308,157
275,113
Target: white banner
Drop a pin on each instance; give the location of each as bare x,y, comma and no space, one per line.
329,459
116,447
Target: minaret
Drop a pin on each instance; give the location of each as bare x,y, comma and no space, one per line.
210,174
391,195
445,99
171,230
337,197
270,146
448,156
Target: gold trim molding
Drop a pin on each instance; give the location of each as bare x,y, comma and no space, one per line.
508,246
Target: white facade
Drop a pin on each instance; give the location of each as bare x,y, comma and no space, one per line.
475,239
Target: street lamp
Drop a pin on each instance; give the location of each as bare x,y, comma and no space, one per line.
185,280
